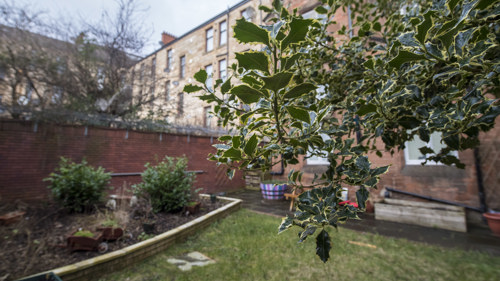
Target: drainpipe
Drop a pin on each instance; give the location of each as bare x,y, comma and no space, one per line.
480,185
349,21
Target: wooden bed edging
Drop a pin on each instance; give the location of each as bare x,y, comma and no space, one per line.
92,268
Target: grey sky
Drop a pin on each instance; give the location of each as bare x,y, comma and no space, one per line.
173,16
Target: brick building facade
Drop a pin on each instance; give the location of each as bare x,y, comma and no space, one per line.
211,46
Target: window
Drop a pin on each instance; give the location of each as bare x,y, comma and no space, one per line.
182,71
167,90
210,72
223,69
180,104
56,95
61,66
208,116
170,61
317,159
222,33
153,69
24,100
209,39
152,90
141,73
247,14
413,156
100,78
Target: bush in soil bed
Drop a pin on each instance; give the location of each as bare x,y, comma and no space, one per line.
168,184
78,186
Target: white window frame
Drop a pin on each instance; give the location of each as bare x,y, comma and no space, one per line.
209,39
222,33
223,69
170,59
317,160
210,76
409,161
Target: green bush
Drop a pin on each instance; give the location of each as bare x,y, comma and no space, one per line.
167,185
78,187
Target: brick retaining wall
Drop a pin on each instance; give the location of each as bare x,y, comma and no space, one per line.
29,152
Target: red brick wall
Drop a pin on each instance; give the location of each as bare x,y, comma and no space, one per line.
437,181
26,156
489,153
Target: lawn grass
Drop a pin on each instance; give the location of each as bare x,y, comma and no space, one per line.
246,247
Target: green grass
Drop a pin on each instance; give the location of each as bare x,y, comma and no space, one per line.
246,247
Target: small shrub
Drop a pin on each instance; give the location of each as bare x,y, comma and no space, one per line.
78,186
84,233
168,185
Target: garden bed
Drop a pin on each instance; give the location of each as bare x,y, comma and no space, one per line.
37,243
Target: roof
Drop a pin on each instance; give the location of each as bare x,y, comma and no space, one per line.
230,9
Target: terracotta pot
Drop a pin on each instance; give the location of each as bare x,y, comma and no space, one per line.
192,209
95,243
493,222
111,233
11,217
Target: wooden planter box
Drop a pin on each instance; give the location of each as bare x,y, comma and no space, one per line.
422,213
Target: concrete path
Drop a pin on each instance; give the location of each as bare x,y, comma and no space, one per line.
478,237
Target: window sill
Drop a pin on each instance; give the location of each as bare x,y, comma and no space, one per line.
435,170
315,168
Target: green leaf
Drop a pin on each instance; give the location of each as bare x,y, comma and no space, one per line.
226,86
321,10
247,32
366,108
298,32
299,113
290,61
369,64
232,153
323,245
278,81
201,76
190,88
246,94
424,26
452,4
251,145
299,90
286,223
377,26
426,150
309,231
483,4
361,196
265,9
253,60
408,39
403,57
236,140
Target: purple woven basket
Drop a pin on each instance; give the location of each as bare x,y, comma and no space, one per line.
272,191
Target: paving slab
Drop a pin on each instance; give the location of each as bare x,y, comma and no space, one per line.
187,261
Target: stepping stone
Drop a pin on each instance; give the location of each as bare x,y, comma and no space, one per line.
186,262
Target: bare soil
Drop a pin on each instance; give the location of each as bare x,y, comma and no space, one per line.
38,241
